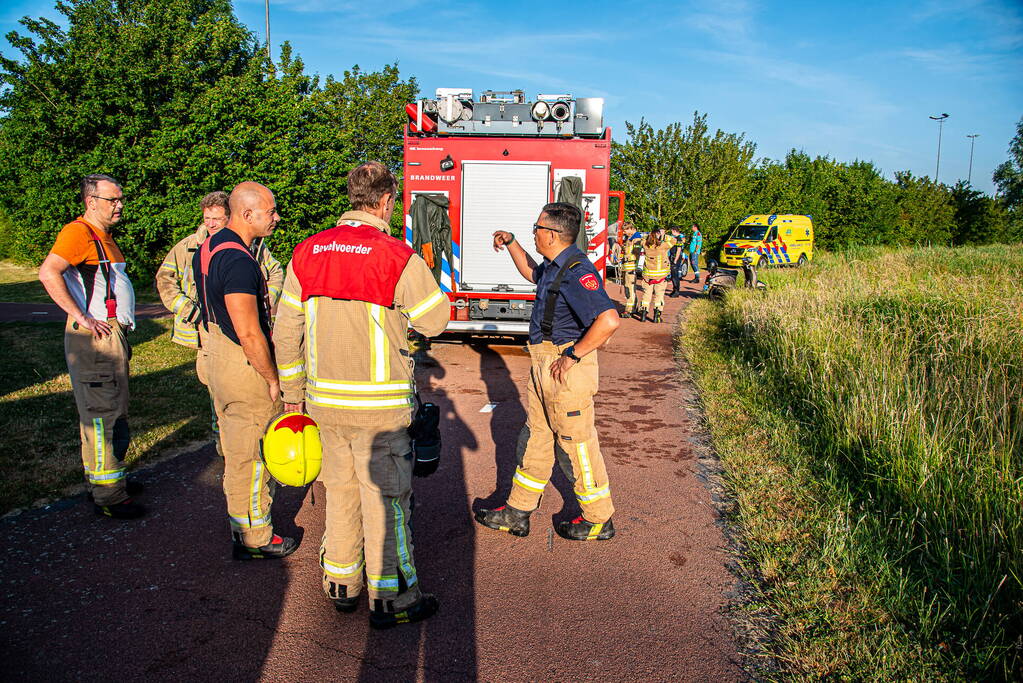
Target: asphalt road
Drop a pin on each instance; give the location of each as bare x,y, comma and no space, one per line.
91,599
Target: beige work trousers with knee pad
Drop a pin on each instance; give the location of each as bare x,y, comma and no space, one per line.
99,382
242,402
562,412
656,292
367,473
629,282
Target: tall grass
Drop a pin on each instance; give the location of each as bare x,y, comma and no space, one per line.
889,386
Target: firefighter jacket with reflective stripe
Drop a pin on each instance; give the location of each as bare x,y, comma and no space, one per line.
630,255
655,263
176,284
341,335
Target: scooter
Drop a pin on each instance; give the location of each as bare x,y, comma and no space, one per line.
720,280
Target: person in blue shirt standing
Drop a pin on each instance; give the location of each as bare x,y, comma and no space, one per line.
695,247
572,317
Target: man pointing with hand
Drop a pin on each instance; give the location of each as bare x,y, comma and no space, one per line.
572,317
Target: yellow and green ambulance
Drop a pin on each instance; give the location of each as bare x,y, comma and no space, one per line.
780,240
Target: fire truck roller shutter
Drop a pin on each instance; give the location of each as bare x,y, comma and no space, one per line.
499,195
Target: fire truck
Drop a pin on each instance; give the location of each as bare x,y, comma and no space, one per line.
491,163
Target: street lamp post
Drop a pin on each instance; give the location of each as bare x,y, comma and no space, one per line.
973,139
269,55
941,122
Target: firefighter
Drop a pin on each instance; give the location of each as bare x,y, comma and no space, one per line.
630,258
85,274
175,283
656,270
675,256
235,313
572,317
342,355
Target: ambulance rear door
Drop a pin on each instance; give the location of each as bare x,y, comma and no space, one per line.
499,195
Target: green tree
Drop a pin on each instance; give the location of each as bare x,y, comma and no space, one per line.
1008,178
110,94
175,98
979,219
926,213
673,176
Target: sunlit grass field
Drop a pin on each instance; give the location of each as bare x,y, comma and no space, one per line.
39,454
868,411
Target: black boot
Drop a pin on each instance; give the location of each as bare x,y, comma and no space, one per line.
642,315
383,615
505,518
581,530
339,596
124,510
278,547
625,314
657,315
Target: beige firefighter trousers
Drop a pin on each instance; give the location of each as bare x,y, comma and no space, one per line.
202,362
368,477
99,382
242,402
562,412
656,292
629,282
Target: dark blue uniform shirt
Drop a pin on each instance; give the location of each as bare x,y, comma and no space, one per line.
581,299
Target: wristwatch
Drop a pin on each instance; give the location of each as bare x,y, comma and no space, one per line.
570,352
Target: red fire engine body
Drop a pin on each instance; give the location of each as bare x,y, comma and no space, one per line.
498,160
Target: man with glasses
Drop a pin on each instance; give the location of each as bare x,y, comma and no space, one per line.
572,318
242,377
175,281
85,275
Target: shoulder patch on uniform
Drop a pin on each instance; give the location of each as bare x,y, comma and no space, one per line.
590,281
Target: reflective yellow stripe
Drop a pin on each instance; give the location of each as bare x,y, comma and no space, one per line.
426,305
357,403
527,482
360,387
401,540
387,582
378,360
291,370
311,305
255,510
584,465
100,443
594,496
290,300
342,570
171,266
594,531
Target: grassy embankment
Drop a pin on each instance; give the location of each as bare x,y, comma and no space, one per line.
39,454
868,412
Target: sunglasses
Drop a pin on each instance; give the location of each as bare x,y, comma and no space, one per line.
537,226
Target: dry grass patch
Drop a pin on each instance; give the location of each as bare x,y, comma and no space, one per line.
40,455
869,416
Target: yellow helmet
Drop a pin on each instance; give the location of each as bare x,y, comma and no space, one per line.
291,449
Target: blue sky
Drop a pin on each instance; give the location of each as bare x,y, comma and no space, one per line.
848,80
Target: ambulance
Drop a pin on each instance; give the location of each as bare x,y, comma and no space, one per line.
776,240
487,163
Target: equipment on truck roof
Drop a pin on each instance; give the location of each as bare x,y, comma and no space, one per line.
498,159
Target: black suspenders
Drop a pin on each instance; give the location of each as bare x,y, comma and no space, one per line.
547,324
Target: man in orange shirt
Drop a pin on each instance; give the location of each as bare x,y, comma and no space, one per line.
85,275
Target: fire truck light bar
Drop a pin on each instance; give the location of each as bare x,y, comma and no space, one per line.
456,112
